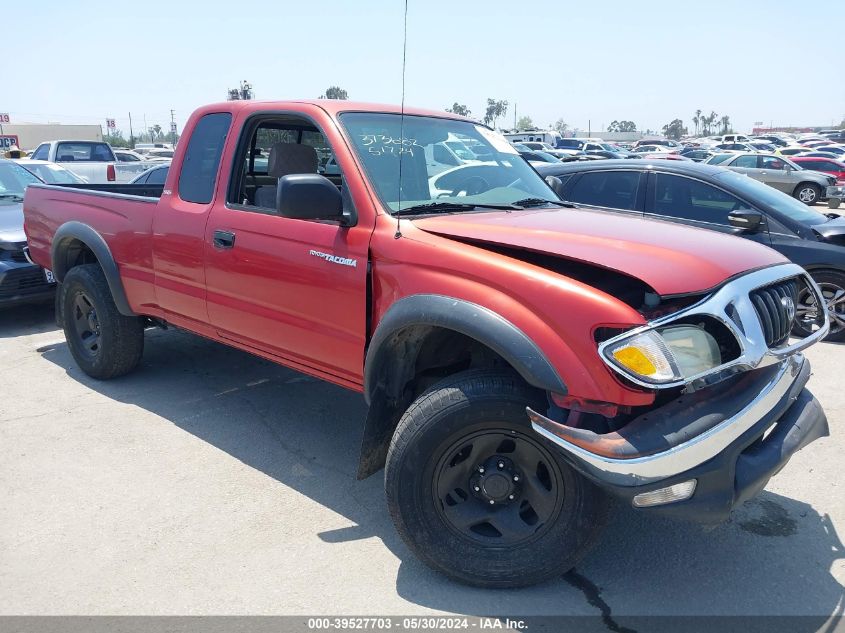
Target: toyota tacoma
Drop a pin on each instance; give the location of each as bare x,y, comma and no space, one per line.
524,359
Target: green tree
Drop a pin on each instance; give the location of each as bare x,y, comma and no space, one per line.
561,126
460,109
495,109
622,126
674,130
697,120
525,123
116,139
725,121
334,92
707,123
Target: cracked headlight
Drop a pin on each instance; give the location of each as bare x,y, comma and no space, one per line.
669,354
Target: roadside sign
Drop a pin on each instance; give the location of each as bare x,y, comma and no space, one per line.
173,127
110,124
4,117
7,140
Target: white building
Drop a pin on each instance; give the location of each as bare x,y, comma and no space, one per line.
30,135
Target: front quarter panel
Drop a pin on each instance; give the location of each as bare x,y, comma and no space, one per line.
557,313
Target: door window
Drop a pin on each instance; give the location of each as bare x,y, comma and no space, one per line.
688,199
612,189
771,162
748,162
276,148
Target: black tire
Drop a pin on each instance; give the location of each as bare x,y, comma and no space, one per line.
808,193
832,285
833,203
443,435
104,343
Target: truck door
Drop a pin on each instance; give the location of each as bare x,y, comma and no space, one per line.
179,224
295,289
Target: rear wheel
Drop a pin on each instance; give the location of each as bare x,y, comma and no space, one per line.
808,193
104,343
832,285
478,495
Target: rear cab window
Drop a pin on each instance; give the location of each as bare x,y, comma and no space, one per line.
84,151
202,158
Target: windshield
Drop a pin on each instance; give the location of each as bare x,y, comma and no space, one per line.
382,141
781,202
53,174
14,179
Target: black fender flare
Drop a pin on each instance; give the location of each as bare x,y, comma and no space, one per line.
383,388
74,230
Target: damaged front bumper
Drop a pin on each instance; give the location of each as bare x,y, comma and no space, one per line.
729,440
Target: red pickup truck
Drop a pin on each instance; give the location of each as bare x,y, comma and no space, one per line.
523,359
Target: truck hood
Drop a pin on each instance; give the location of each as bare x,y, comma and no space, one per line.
670,258
11,222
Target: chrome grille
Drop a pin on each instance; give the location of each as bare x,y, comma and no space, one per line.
775,307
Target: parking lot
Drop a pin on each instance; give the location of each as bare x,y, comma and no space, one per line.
212,482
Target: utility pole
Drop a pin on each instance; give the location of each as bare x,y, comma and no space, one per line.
146,129
172,127
131,135
514,117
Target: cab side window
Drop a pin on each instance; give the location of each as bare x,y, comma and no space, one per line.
202,158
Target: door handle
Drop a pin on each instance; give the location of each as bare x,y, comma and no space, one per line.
224,239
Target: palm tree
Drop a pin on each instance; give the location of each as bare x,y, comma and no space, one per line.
696,119
726,124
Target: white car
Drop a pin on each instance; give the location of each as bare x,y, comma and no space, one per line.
159,154
93,160
124,155
654,149
51,173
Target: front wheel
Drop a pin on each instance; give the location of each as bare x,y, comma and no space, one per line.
832,285
808,193
476,494
104,343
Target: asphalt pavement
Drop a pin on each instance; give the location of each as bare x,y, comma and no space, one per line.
212,482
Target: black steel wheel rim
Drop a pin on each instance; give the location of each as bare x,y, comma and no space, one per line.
807,311
498,488
86,324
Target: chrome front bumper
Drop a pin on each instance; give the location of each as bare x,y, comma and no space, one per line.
787,383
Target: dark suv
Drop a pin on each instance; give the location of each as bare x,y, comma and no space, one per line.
720,199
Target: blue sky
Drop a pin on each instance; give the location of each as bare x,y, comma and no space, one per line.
598,60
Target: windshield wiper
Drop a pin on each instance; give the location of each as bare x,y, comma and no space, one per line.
11,196
536,202
454,206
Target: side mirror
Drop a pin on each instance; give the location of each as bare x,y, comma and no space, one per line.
745,219
556,184
308,197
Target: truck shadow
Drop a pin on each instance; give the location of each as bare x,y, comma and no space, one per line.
774,557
